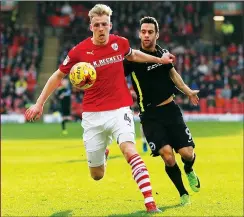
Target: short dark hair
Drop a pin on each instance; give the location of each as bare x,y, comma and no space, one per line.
150,20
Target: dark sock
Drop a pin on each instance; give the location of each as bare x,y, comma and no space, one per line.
188,164
63,124
174,174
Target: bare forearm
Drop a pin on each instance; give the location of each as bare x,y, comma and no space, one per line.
138,56
50,86
179,83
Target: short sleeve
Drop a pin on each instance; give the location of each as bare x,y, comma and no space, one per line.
126,46
70,60
169,66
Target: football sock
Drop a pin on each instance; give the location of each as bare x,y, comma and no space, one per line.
174,174
141,176
64,124
188,164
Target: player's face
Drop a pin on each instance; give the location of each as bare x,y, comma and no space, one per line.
100,26
148,35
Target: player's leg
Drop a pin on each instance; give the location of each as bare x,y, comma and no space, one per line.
97,172
155,133
144,141
174,173
124,133
65,110
97,163
63,125
96,140
65,119
139,171
188,158
184,145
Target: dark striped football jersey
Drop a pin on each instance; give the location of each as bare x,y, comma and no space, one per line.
151,81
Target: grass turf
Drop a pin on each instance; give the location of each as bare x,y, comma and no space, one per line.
45,174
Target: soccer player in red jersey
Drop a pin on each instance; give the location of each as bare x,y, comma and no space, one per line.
106,105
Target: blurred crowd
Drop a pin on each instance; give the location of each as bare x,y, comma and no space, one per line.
20,59
216,69
218,75
179,21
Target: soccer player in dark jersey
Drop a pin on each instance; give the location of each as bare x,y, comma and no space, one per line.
161,118
106,105
135,108
63,95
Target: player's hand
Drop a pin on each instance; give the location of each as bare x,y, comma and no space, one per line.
193,97
167,58
34,112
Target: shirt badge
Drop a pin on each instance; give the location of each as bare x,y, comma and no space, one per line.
115,46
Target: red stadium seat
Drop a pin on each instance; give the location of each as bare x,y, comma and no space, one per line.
242,107
227,106
59,21
203,105
194,112
211,110
220,110
234,100
236,108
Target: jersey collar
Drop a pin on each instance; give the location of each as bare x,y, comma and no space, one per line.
157,48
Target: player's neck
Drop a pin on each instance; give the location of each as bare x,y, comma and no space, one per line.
98,43
149,49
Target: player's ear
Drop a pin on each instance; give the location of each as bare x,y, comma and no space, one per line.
140,34
110,26
157,35
91,27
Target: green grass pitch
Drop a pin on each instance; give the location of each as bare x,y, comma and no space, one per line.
45,174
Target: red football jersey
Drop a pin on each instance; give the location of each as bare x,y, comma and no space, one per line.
110,90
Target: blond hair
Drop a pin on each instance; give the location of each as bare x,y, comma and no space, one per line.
100,10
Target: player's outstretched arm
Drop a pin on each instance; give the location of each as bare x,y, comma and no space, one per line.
180,84
138,56
35,111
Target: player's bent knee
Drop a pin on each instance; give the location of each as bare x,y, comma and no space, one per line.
127,144
188,157
187,153
128,149
167,154
169,160
96,158
97,173
96,177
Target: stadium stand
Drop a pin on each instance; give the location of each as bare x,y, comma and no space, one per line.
21,49
216,68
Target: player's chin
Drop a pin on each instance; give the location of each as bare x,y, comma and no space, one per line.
102,40
147,44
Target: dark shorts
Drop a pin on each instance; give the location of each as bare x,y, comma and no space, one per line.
164,125
65,110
